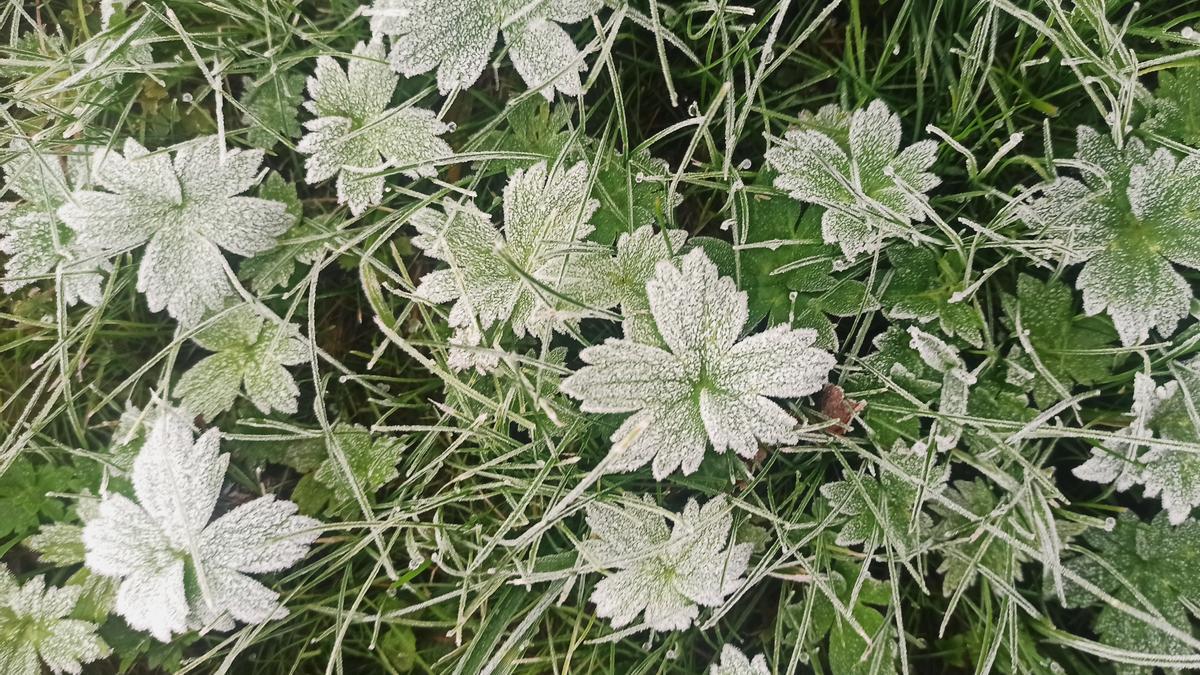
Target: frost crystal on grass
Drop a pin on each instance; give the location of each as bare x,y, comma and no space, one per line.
663,573
1165,470
494,278
871,189
355,135
457,39
179,571
1128,217
185,211
700,383
956,385
35,628
734,662
32,235
250,356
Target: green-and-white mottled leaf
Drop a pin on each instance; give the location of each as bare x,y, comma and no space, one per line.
185,211
700,384
457,38
355,135
150,543
1128,218
251,355
36,628
854,167
734,662
494,277
664,574
1166,471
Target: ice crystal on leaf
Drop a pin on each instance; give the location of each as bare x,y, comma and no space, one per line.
37,242
1156,455
881,509
457,39
35,627
871,189
185,210
1128,217
700,383
734,662
494,277
251,353
179,571
663,573
355,135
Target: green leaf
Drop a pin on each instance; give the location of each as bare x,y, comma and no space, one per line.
372,461
881,508
272,103
25,495
1150,566
1175,112
922,288
1058,334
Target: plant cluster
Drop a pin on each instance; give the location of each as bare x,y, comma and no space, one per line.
837,337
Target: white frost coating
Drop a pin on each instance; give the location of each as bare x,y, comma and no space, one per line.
956,384
700,383
355,132
494,277
734,662
150,544
1166,471
36,241
663,574
457,38
185,211
250,357
1128,217
35,628
871,189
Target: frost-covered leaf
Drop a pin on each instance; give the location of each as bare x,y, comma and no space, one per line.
272,103
734,662
372,462
155,545
1047,312
494,277
881,509
871,189
1128,217
968,547
37,242
956,385
251,353
356,135
457,38
36,627
1150,566
58,544
1164,419
622,279
663,573
1175,112
922,288
700,384
185,210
